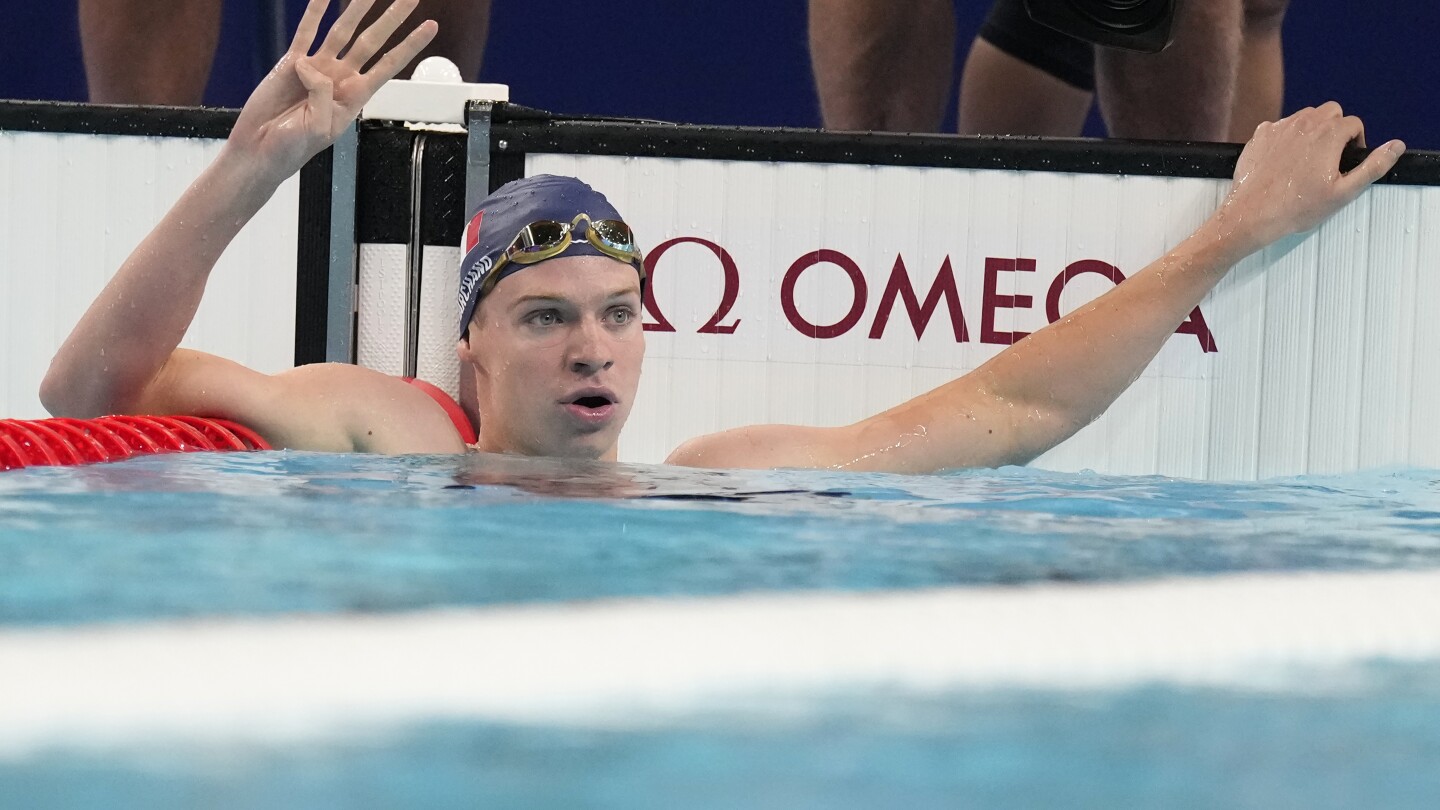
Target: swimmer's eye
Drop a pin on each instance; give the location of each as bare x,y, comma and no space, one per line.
545,317
622,315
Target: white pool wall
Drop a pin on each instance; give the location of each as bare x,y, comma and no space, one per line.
73,207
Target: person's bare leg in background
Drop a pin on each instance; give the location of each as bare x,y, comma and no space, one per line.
1185,92
148,51
464,28
1003,95
161,51
882,64
1260,83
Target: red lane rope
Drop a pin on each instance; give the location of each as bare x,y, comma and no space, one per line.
60,442
138,442
116,448
252,440
65,453
214,430
12,455
89,447
33,449
163,437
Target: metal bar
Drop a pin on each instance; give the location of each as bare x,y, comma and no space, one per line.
477,171
340,312
312,260
1003,153
414,258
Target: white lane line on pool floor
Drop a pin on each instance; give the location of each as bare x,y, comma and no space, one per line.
609,661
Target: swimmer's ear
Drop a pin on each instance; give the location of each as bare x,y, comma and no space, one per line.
463,350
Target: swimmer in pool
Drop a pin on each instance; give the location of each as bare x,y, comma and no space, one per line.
551,336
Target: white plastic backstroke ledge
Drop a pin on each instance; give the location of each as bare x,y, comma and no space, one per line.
433,95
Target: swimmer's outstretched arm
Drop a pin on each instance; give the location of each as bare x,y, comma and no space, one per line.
122,356
1043,389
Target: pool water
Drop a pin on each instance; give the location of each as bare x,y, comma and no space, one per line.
257,539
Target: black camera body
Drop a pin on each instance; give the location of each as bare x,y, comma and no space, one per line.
1133,25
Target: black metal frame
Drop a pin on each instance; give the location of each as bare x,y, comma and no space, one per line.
116,119
518,131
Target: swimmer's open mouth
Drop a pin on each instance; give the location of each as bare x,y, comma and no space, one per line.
592,398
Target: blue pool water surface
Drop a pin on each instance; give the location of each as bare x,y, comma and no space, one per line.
179,536
260,535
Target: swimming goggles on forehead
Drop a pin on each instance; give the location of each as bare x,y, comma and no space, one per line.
546,239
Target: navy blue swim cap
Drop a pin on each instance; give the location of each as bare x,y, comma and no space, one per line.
500,217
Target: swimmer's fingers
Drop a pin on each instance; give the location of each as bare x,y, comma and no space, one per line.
1352,130
309,27
343,31
373,38
1375,166
321,92
401,55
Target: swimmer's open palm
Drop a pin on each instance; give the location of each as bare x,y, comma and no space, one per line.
1288,179
306,101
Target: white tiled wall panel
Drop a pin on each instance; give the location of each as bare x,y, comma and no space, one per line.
72,207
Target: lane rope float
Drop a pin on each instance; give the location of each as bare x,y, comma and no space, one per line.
64,442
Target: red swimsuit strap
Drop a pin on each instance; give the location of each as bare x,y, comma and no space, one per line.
452,408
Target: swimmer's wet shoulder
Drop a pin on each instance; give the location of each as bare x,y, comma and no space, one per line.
330,407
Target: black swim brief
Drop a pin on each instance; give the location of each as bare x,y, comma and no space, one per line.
1068,59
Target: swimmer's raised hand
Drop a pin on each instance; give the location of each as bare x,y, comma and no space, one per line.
122,357
1288,179
307,100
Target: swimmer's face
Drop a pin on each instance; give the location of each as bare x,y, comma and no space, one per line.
556,350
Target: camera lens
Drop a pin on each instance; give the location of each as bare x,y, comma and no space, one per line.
1122,15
